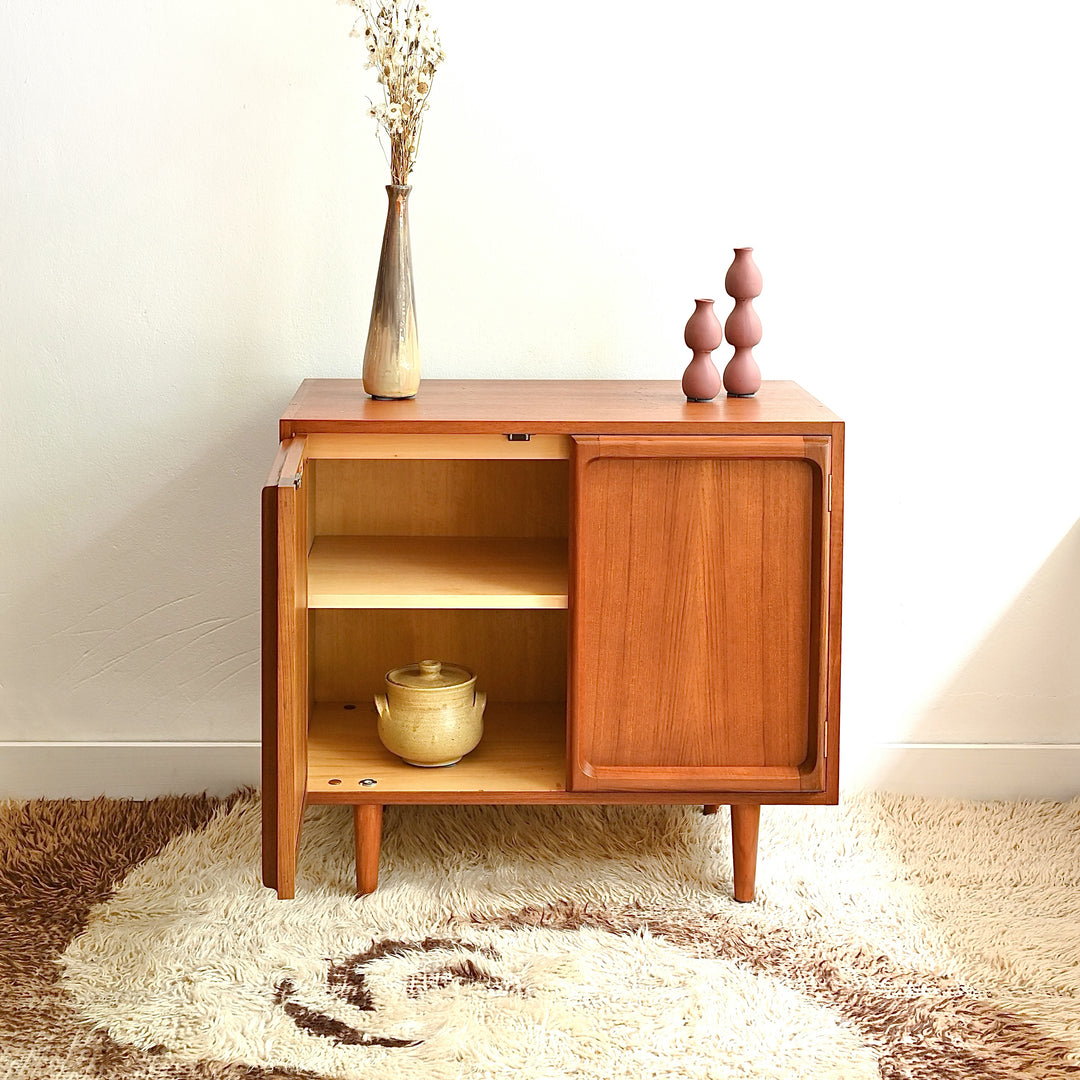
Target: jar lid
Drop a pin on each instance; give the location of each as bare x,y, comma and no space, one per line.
430,675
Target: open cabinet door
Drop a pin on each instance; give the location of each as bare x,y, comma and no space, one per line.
699,613
285,691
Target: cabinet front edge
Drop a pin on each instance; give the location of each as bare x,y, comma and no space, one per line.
292,428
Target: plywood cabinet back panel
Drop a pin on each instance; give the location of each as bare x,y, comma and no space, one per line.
402,497
517,655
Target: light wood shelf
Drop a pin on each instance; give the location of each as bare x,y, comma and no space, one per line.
523,751
437,572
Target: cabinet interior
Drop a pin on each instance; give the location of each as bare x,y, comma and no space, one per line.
458,560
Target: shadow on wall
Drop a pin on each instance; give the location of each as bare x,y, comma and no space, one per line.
1014,705
1022,682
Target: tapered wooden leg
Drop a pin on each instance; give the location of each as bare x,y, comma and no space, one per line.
287,851
367,821
710,808
744,836
283,811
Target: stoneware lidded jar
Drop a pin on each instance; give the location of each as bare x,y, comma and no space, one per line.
431,713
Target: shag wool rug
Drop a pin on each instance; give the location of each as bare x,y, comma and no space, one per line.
892,937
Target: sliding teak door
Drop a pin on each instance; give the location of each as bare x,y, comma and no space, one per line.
699,613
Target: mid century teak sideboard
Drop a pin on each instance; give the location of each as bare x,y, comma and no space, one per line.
648,588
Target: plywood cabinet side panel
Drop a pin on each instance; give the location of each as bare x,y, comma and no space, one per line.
311,487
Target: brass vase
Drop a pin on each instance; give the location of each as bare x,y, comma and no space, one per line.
392,355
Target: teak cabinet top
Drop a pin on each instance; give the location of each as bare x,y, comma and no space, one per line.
532,406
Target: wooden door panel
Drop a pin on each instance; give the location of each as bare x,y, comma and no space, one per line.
285,682
697,594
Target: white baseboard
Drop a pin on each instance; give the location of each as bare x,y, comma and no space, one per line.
126,770
968,770
143,770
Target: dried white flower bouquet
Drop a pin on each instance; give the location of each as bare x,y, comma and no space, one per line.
403,46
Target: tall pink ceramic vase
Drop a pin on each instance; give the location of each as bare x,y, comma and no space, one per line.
701,380
742,377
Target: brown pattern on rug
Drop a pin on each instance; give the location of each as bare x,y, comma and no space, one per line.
456,962
58,858
631,978
348,978
921,1025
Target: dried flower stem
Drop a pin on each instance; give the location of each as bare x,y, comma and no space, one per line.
404,47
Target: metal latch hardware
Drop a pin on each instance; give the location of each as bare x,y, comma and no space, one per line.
518,436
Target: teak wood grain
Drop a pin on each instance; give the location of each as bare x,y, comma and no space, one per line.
697,590
570,407
367,836
703,539
286,690
745,821
835,590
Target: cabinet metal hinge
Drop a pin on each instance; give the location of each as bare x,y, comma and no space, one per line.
828,495
295,480
826,754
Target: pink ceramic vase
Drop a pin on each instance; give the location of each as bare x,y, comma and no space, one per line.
743,279
742,377
701,380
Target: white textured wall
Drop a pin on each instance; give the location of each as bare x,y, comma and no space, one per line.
190,208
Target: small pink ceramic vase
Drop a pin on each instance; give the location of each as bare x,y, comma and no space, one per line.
701,380
742,377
